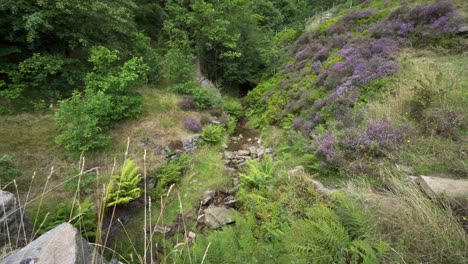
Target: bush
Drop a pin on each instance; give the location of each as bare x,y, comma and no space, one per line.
375,140
258,173
8,170
202,98
330,238
192,124
123,188
233,107
212,133
42,76
169,173
187,103
82,216
179,66
108,98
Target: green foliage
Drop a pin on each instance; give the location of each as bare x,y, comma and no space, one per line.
108,97
82,183
81,215
202,98
41,76
266,102
258,173
212,133
233,107
326,238
179,66
243,246
123,188
169,173
81,116
8,170
286,36
142,48
332,60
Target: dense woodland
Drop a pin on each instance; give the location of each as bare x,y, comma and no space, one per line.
357,95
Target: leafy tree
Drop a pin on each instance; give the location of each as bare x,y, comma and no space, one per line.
124,188
108,97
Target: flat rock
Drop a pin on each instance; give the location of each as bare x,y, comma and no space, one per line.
217,216
450,188
61,245
243,153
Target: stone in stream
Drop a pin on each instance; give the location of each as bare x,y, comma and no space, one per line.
229,155
217,216
61,245
243,153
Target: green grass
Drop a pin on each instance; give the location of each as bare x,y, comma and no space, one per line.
426,152
205,171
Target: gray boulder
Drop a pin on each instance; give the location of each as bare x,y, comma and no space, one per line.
13,223
61,245
217,216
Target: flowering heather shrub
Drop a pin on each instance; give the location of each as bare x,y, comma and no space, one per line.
319,103
442,122
321,54
187,103
437,19
325,147
297,123
384,47
338,40
374,139
316,65
304,53
192,124
349,20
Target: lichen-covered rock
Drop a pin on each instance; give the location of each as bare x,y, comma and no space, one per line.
13,222
217,216
61,245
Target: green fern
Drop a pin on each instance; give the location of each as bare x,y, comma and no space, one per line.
326,238
351,214
124,188
258,173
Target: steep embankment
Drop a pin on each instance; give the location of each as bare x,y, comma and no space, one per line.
348,69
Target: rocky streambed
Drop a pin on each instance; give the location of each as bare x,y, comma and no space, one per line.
218,205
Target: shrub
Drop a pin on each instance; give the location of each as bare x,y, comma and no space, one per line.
212,133
233,107
108,98
192,124
258,173
202,98
169,173
42,76
325,147
377,138
84,118
8,170
179,66
327,238
421,24
123,188
187,103
82,216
